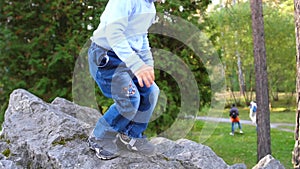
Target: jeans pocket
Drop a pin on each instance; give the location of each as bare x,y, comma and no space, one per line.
102,61
98,56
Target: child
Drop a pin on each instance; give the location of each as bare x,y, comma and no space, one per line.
121,63
234,117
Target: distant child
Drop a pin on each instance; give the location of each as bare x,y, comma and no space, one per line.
252,113
234,117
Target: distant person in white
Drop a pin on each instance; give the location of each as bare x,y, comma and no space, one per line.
252,113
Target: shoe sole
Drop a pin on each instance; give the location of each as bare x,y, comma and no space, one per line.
102,157
105,157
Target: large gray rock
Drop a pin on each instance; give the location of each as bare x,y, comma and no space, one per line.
268,162
53,135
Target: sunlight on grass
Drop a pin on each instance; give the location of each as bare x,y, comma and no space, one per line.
278,109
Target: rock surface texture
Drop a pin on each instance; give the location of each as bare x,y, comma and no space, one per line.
36,134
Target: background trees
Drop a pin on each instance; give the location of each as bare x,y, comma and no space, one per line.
40,42
232,34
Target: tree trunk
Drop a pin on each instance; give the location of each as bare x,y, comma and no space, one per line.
239,64
296,152
241,77
250,85
262,95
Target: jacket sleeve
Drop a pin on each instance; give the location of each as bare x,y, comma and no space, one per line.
116,17
146,53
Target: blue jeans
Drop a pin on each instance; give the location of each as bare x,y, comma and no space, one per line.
133,105
232,126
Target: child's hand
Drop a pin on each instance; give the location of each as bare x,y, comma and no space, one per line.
145,75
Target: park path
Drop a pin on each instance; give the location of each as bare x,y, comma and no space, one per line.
280,126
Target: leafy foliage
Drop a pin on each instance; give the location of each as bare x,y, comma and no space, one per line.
40,42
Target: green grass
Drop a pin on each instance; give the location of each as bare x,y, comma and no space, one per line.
283,117
242,148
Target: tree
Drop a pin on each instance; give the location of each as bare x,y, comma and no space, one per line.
296,151
40,43
262,95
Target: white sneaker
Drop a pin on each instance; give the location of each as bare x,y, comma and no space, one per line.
241,132
231,133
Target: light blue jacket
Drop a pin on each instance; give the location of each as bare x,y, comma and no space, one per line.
124,28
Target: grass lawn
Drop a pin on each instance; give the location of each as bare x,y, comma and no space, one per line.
241,148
